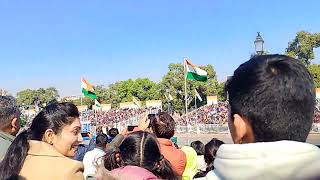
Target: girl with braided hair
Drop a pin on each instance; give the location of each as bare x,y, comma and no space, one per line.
138,157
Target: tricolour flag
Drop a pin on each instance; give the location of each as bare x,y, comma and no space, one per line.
97,104
170,97
135,101
87,89
198,95
194,72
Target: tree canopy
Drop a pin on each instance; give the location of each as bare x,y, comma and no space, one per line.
141,88
303,45
30,97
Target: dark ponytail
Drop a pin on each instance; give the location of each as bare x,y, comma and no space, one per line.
13,161
211,149
112,158
164,170
140,149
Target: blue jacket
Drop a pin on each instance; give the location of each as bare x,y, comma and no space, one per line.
82,149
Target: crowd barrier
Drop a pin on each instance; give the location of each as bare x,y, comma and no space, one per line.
193,129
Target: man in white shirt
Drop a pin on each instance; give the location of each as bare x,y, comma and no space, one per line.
94,158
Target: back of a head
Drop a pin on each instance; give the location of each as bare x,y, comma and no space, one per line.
141,149
8,111
101,140
198,146
163,126
276,94
211,149
99,130
113,132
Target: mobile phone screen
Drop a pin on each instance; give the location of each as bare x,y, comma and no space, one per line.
84,134
151,117
130,128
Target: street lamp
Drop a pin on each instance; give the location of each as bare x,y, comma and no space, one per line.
258,43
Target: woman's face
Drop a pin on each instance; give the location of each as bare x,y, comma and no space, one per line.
67,141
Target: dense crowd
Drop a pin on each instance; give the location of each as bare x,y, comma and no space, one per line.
110,117
209,114
317,112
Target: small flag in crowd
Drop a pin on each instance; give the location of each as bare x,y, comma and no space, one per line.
87,89
96,103
194,72
170,97
198,95
135,101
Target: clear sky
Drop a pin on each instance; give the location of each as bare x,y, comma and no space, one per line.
53,43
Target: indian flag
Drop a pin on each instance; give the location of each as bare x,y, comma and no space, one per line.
87,89
135,101
194,72
97,104
198,95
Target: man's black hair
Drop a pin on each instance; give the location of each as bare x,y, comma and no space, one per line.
276,94
101,140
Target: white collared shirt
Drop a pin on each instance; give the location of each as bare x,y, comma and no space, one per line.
91,160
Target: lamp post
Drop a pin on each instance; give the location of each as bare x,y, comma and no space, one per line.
258,43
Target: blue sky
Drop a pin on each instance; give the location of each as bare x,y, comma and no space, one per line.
54,43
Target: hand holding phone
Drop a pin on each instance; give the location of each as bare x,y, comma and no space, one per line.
144,122
151,117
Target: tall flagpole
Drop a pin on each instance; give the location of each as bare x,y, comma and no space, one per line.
185,96
81,92
185,86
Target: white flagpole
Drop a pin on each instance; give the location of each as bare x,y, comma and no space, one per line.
81,92
185,85
185,96
195,100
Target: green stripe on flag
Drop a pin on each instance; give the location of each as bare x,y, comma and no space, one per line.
194,76
89,94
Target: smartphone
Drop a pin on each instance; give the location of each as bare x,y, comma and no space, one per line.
130,128
84,134
151,117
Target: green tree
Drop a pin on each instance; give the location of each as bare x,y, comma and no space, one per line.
303,45
28,96
314,69
103,94
222,96
46,95
123,91
145,89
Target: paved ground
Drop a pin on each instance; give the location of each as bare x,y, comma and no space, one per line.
183,138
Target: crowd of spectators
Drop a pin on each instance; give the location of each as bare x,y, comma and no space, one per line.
317,112
110,117
209,114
